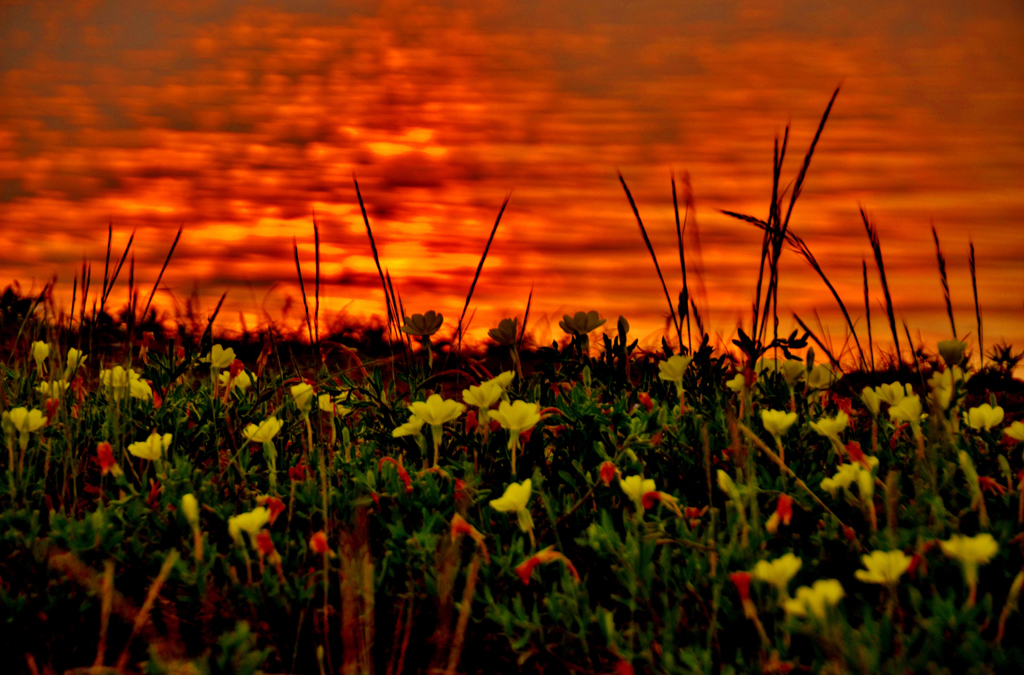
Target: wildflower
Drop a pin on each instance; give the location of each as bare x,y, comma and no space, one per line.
831,427
152,448
547,555
105,458
778,572
190,509
893,392
635,487
506,332
737,383
117,382
952,352
74,362
411,428
783,513
302,393
985,416
871,399
460,526
275,506
726,485
251,522
263,433
942,386
883,567
650,497
333,405
581,324
777,422
423,325
318,543
608,472
742,582
298,472
482,397
908,409
25,422
219,357
517,417
52,390
817,598
847,474
241,381
435,411
645,400
40,352
503,379
1015,431
819,377
515,499
693,515
403,475
971,552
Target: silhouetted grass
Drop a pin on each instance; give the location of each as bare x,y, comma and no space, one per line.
945,281
479,268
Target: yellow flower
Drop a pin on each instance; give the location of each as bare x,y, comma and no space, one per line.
303,395
883,567
74,362
726,485
673,368
242,381
52,389
516,417
581,324
1015,431
152,448
26,421
635,488
333,405
117,382
871,400
908,409
893,392
266,430
952,351
777,422
502,379
506,332
251,522
219,357
847,474
190,509
778,572
423,325
436,410
737,383
411,428
822,594
985,416
515,499
831,427
971,552
40,352
484,396
942,385
820,377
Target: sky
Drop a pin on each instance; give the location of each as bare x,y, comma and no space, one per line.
240,121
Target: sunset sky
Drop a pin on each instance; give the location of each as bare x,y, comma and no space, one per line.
239,120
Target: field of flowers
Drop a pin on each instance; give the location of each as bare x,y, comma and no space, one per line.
170,508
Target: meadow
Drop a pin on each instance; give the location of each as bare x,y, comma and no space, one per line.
387,500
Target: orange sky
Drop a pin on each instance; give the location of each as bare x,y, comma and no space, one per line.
240,119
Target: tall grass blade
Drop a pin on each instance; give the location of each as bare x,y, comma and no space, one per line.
867,312
526,317
480,267
817,341
113,279
316,292
977,307
207,338
302,287
160,276
798,186
684,296
876,248
650,248
945,281
388,300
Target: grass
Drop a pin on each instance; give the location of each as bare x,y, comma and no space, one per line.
337,545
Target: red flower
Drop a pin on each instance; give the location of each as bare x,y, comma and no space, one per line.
264,544
991,485
179,353
273,504
608,471
896,433
525,568
471,421
849,532
105,457
742,582
154,493
297,472
693,514
318,542
645,399
525,435
157,398
623,668
460,526
783,513
236,367
402,473
460,489
855,452
52,404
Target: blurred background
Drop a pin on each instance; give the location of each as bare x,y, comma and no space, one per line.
242,120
